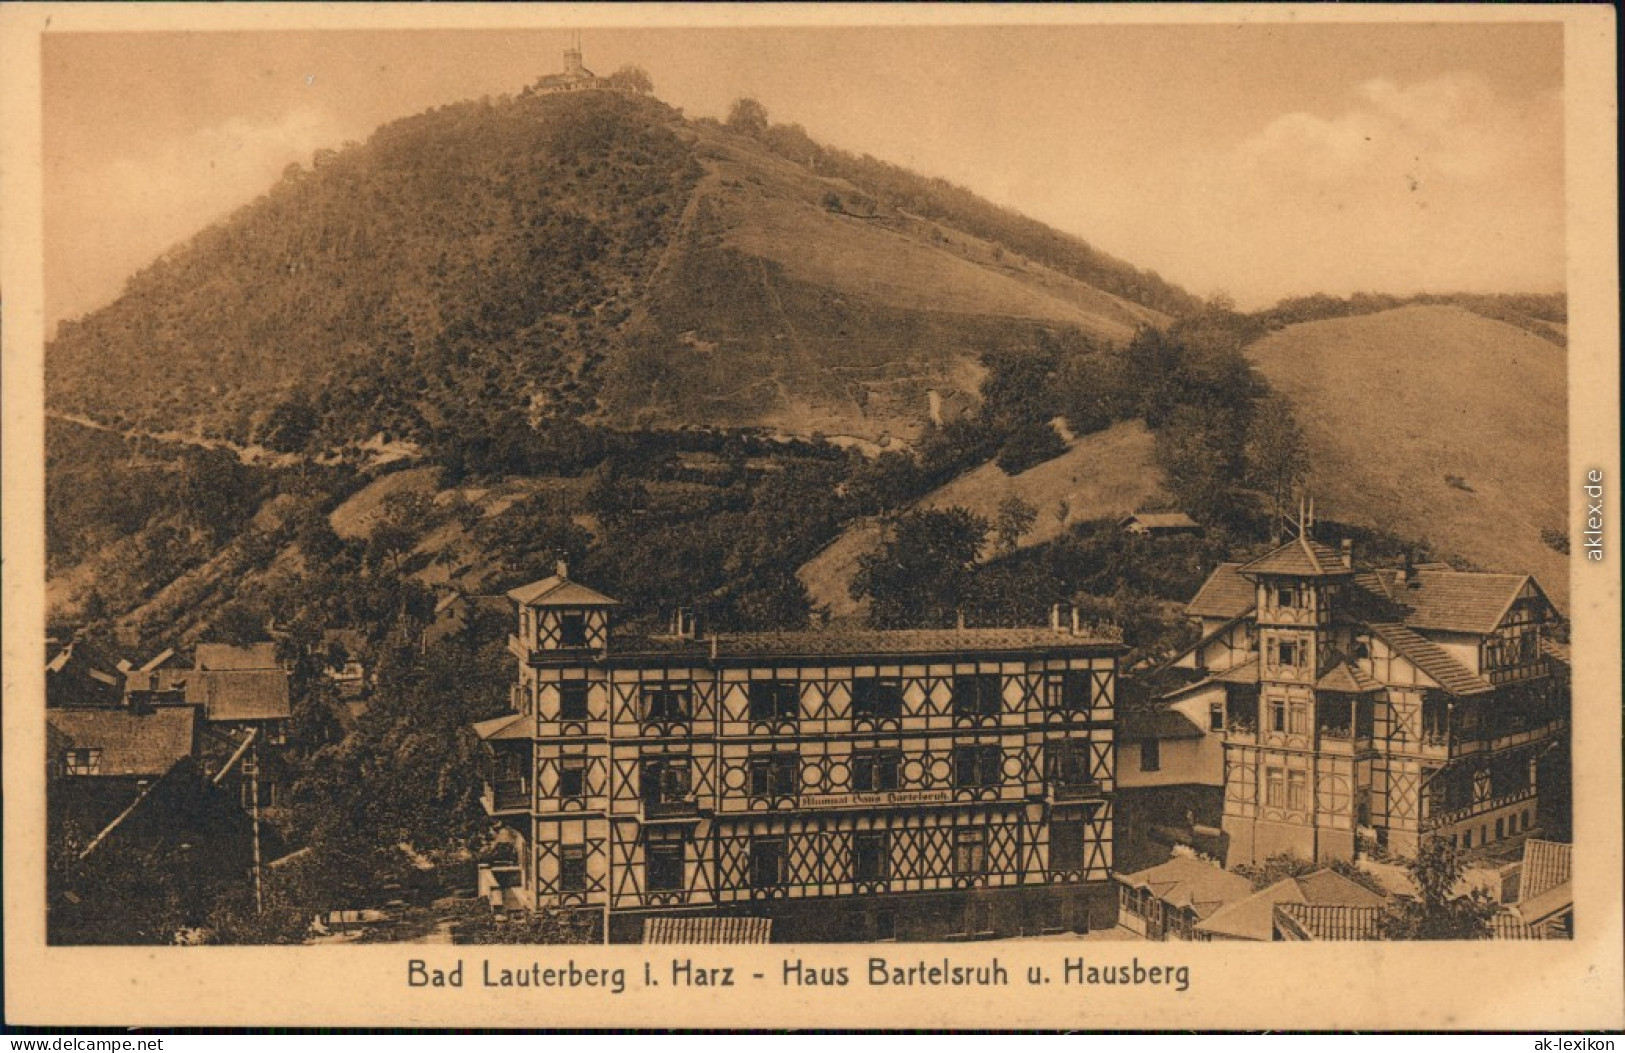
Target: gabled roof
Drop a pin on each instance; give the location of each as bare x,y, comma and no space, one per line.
1429,657
1187,882
240,694
1245,673
1346,678
1254,917
1507,925
1324,921
708,930
1225,594
213,656
1207,638
146,744
558,591
1459,601
1300,557
1137,725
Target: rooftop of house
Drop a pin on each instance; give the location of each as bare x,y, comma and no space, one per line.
1301,557
1160,521
559,591
142,744
1142,723
1329,921
861,643
1544,881
1225,594
219,656
1187,882
1253,918
240,694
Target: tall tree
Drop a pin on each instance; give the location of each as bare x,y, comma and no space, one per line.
1439,910
921,575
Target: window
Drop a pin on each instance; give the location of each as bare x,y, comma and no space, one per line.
980,695
871,855
1215,716
970,852
1066,845
1274,787
877,698
1150,755
573,868
573,778
663,867
978,766
1067,763
573,700
766,862
1297,790
1278,715
1066,692
573,630
82,762
1466,839
1286,652
666,701
1298,718
663,780
875,771
775,775
1500,829
772,700
1286,596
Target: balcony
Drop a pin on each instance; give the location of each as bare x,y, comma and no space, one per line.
506,797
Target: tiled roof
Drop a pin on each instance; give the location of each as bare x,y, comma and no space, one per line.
1546,864
1187,882
1254,917
131,744
558,591
507,726
229,656
1558,652
1225,594
708,929
240,694
1509,926
863,643
1301,557
1137,725
1457,601
1329,921
1429,657
1245,673
1347,679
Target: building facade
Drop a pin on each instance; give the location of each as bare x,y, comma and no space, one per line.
1409,703
847,785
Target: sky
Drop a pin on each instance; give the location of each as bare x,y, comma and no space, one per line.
1255,161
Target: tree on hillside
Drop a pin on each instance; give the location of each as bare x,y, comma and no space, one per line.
1029,445
1276,458
632,78
1438,912
1015,518
748,117
920,576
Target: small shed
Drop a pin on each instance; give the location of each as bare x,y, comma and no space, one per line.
1159,524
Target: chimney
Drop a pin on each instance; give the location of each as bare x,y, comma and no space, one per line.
959,619
1348,553
1408,574
1058,615
1077,627
561,570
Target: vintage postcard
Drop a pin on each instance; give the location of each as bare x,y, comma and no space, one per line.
812,515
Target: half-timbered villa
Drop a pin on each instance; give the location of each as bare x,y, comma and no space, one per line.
1412,702
845,784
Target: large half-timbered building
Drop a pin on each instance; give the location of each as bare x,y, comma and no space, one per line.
849,785
1412,702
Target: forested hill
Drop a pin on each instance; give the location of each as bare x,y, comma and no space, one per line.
591,256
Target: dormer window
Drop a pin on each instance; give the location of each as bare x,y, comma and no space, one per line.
82,762
573,629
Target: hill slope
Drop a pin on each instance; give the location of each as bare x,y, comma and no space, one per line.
1434,423
590,256
1109,473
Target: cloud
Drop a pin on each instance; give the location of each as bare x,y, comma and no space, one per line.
1438,184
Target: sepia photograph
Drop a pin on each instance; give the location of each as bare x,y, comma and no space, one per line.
960,491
